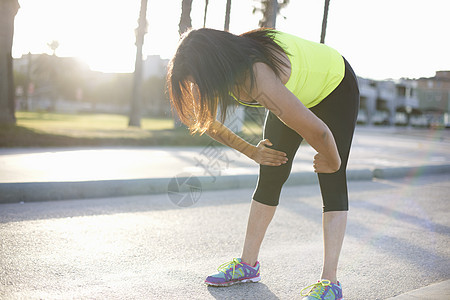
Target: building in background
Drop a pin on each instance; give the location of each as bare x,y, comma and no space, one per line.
434,98
406,102
154,74
154,66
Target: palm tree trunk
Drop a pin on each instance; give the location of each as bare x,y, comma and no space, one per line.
185,20
136,100
226,27
183,26
272,14
8,11
324,21
26,94
206,10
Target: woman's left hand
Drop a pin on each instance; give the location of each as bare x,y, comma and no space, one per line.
264,155
322,165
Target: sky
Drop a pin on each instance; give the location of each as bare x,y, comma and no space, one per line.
380,38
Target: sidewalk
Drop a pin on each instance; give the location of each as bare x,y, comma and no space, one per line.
435,291
77,173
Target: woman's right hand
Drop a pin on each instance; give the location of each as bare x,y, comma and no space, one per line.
268,157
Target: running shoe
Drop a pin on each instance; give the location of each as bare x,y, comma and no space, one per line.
235,271
324,290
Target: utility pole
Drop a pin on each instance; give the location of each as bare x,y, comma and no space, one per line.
136,100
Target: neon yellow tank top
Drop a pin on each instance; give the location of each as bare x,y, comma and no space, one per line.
316,69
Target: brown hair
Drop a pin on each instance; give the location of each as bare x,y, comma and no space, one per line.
216,63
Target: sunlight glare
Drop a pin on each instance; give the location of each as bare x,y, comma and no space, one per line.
102,36
101,32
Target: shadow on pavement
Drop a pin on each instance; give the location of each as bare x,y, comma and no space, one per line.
247,291
426,224
384,229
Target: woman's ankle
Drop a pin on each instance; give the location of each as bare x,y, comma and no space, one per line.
329,278
249,261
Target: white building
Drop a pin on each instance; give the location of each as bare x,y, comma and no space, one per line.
154,66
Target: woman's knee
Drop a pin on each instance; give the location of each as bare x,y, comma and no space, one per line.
270,182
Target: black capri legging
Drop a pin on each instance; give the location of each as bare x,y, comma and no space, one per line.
339,111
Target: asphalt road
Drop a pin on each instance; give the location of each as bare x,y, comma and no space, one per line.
146,247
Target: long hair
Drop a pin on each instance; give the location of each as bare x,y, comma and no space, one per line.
214,63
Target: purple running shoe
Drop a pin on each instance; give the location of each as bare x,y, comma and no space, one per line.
323,290
235,271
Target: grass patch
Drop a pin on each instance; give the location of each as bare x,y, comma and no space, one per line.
36,129
86,123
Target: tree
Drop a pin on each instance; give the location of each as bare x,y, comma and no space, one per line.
185,20
135,111
156,100
324,21
52,67
8,11
183,26
270,9
206,10
226,27
47,72
53,45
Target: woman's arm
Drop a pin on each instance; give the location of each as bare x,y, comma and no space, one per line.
272,94
260,153
223,135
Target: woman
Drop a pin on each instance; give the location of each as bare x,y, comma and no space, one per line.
310,92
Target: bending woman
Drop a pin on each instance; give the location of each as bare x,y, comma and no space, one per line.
310,92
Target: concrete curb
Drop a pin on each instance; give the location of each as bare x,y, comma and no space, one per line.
410,171
436,291
49,191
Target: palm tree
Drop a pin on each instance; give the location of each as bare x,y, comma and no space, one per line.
8,11
324,21
135,111
48,73
53,45
185,20
183,26
206,10
270,9
226,27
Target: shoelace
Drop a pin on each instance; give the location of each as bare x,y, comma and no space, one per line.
316,288
232,264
